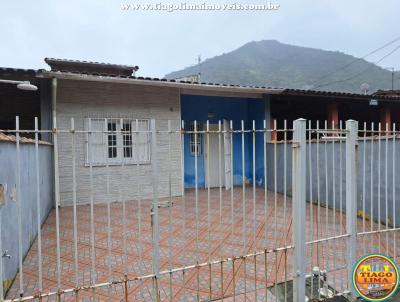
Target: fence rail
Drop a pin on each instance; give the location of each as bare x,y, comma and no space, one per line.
171,210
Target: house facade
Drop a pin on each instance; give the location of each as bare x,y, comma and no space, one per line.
112,110
110,107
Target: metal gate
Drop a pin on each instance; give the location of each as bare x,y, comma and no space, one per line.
290,215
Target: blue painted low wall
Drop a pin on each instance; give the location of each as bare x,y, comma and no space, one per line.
9,212
375,187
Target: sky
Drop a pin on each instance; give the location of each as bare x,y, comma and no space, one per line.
160,42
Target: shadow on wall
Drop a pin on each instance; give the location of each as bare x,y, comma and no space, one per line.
9,211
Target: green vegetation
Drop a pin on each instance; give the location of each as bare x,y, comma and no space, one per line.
274,64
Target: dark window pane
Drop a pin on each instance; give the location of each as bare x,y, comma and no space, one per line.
112,140
127,140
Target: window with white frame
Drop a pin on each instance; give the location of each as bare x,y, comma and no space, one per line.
196,143
117,141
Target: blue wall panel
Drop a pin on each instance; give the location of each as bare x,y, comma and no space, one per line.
235,109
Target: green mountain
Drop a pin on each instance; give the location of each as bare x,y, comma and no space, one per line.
274,64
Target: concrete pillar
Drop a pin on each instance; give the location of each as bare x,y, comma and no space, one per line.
333,115
268,117
386,117
274,134
45,109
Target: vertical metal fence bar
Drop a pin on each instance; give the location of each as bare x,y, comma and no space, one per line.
318,210
139,201
265,184
275,207
245,277
221,233
379,186
285,261
286,229
209,282
254,186
74,210
276,274
92,232
196,179
38,209
208,193
198,283
222,281
155,215
351,198
183,185
341,194
386,188
170,239
372,185
275,187
299,208
19,204
334,200
57,200
109,228
232,198
266,275
255,279
184,285
121,131
243,190
1,251
326,207
363,184
233,280
171,293
394,191
310,161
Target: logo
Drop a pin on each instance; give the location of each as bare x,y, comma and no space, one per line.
375,277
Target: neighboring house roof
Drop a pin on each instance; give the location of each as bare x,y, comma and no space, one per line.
336,94
86,66
12,139
387,92
17,73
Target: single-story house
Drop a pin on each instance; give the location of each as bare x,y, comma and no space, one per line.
108,96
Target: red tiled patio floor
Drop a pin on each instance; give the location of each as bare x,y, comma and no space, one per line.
179,247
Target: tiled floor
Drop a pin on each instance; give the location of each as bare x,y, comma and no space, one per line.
187,235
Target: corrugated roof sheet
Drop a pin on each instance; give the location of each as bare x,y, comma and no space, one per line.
111,65
4,70
283,91
161,80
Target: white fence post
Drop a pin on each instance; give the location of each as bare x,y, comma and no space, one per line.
299,209
351,198
155,222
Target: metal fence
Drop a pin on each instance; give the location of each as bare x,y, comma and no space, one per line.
260,218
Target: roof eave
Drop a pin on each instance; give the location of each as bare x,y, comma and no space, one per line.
158,83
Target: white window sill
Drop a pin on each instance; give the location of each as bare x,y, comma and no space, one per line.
129,163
